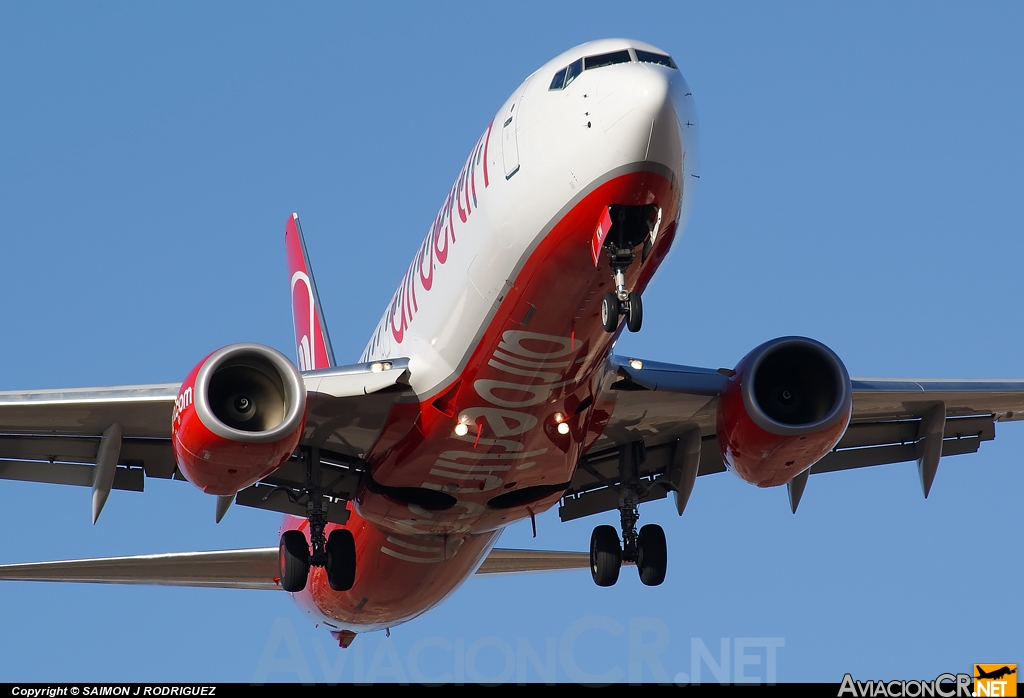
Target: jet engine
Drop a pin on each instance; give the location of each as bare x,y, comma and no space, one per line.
238,416
785,406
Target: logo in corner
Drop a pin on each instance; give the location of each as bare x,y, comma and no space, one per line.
995,680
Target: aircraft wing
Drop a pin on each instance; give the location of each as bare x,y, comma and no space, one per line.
59,436
254,568
673,409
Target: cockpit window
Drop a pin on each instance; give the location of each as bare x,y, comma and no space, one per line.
660,59
600,61
558,82
569,73
574,69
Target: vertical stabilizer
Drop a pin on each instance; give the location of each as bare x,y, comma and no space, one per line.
312,343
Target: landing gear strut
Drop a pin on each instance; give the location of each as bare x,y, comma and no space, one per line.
647,548
337,553
631,226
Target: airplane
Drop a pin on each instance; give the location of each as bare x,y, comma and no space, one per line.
489,391
996,673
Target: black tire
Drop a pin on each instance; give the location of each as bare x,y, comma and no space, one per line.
610,312
652,555
294,561
341,559
605,556
635,312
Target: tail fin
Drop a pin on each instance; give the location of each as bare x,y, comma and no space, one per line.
312,343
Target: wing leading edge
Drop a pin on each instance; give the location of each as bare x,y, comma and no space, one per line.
61,436
893,421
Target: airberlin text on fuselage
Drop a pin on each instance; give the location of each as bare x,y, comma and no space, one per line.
461,199
530,369
546,364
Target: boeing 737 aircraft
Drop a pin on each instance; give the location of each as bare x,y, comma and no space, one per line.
488,392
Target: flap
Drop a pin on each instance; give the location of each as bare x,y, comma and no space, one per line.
348,406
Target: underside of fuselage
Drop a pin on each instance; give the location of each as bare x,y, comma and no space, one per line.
508,356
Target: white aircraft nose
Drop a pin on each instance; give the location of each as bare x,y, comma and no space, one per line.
642,110
651,92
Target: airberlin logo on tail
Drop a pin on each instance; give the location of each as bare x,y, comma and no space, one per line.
304,318
461,201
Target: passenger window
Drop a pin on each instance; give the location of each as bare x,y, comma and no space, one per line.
574,69
604,59
648,57
558,82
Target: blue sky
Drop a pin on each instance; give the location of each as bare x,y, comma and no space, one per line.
860,184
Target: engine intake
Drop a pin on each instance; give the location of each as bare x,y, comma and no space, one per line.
786,406
239,415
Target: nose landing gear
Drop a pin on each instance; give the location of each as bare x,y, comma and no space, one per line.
631,226
336,554
612,307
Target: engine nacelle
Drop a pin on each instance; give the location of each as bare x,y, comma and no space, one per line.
239,415
786,406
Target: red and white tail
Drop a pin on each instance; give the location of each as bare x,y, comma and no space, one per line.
312,343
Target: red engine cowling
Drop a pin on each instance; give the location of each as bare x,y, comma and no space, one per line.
238,416
786,406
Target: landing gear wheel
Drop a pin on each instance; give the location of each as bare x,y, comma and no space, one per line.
293,558
635,312
652,555
341,560
605,556
610,312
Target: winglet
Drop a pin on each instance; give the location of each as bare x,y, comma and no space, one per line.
312,343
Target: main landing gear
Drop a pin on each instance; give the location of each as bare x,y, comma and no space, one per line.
647,548
336,553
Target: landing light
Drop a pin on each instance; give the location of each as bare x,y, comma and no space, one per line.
378,366
563,428
461,429
636,364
